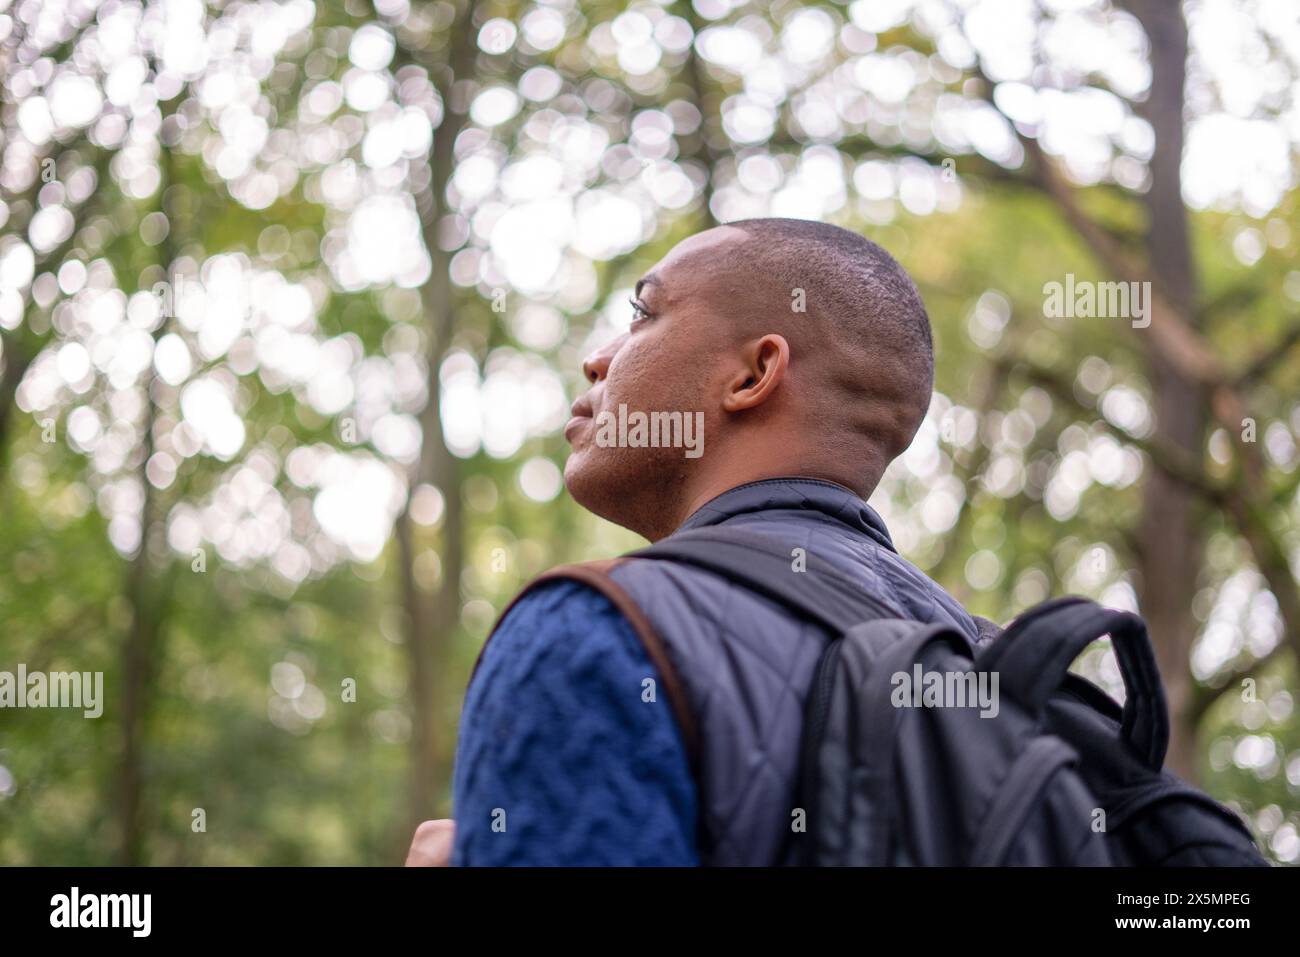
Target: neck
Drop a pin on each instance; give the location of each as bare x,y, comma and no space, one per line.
710,487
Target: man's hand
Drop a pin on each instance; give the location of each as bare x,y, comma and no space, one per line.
431,846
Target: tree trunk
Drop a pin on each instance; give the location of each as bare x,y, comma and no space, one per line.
431,617
702,149
138,668
143,646
1170,533
15,363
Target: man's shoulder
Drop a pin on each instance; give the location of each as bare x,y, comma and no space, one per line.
583,628
551,610
554,593
626,590
560,687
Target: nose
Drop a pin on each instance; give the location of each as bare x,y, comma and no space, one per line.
596,366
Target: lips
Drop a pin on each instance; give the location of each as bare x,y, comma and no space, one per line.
574,425
582,414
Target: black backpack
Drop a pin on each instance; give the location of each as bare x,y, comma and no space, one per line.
1060,775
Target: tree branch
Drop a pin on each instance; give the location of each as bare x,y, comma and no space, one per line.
1252,522
1263,363
1170,334
1168,458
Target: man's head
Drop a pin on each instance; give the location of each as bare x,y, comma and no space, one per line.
804,348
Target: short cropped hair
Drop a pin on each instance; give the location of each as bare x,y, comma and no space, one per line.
863,300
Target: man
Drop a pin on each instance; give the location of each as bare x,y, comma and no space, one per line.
648,713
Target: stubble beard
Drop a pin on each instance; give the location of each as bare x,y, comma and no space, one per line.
642,489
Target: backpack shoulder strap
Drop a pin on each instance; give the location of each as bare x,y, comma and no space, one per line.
762,562
596,575
1034,654
872,654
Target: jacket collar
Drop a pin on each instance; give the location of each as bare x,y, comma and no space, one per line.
794,493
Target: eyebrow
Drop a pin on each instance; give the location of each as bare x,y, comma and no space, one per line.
646,281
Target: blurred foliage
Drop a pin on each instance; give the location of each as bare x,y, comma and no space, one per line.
245,155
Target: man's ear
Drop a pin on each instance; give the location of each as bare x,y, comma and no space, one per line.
763,365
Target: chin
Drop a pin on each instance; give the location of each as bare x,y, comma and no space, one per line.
632,491
598,488
582,480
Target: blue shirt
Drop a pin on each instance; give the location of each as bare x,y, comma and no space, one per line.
567,754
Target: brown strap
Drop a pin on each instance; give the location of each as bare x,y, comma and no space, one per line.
596,575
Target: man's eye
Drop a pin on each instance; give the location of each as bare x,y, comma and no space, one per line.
639,310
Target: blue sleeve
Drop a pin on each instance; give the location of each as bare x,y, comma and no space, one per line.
560,760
